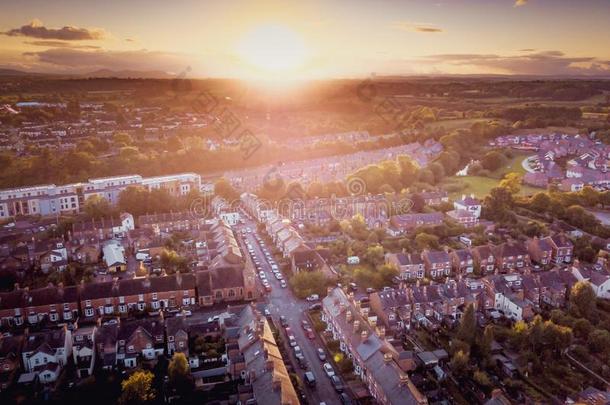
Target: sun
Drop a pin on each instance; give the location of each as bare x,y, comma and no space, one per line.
272,49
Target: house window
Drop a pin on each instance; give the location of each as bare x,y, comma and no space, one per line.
89,312
219,294
231,293
88,303
170,338
154,296
53,316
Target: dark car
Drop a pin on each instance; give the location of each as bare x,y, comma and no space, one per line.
315,307
310,379
302,362
337,384
283,321
345,400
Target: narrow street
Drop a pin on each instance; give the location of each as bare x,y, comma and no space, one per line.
281,302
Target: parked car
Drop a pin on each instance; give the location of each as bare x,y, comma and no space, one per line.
310,379
302,362
313,297
305,324
297,351
310,334
321,354
337,384
328,369
315,307
345,400
283,321
283,284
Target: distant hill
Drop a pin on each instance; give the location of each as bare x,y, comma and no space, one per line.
129,74
102,73
15,72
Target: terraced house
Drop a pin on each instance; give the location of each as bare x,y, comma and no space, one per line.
376,362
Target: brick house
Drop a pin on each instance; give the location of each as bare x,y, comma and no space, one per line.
437,263
563,248
462,261
409,265
484,258
140,340
540,250
511,256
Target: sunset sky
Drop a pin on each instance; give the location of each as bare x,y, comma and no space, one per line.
308,39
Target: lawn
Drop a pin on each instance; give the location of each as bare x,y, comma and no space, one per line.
480,186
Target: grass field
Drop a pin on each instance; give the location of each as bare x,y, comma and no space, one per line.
480,186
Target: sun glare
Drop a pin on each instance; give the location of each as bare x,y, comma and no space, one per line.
272,49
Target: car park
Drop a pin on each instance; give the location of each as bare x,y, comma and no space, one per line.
328,369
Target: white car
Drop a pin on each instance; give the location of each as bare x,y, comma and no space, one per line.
278,276
328,369
313,297
283,284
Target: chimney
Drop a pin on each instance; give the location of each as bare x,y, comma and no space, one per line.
364,334
348,316
356,325
404,379
381,332
179,279
269,365
358,305
351,296
373,321
387,357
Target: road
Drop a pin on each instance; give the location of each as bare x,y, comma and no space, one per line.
281,302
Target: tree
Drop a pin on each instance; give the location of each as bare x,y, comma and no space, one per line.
459,363
512,181
488,338
375,255
305,283
137,389
224,189
468,326
493,160
582,300
540,202
178,371
97,207
426,241
599,341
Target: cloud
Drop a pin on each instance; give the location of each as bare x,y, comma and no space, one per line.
519,3
417,27
535,63
59,44
66,59
36,29
130,40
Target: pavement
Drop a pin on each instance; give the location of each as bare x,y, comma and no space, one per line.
281,302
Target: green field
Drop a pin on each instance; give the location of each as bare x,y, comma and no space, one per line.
480,186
